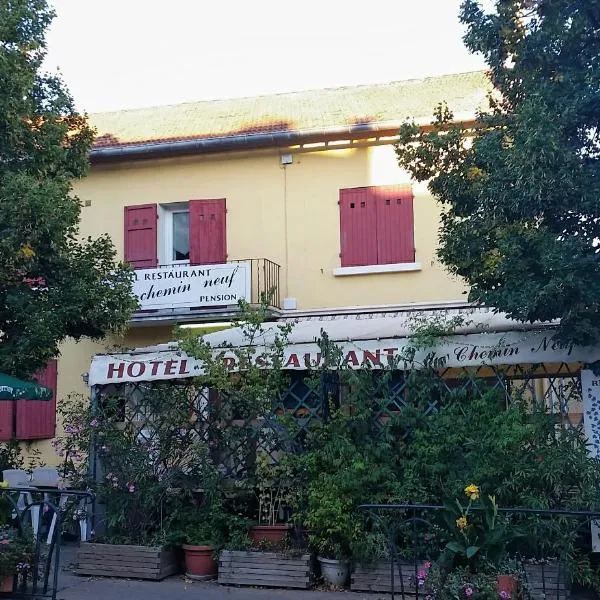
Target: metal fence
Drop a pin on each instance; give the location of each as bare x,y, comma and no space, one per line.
37,517
414,539
264,280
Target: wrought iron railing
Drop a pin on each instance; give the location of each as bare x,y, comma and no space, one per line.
41,514
413,541
265,281
264,287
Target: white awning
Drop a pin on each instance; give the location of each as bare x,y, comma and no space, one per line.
357,327
483,338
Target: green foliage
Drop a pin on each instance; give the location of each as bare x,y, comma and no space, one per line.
273,488
17,551
53,285
514,453
520,189
348,460
245,394
476,536
201,523
149,473
461,584
11,456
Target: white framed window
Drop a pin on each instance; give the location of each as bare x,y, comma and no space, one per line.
174,234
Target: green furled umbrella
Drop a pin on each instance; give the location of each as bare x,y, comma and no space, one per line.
12,388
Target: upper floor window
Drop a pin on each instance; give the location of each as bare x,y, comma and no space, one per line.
376,225
193,232
174,231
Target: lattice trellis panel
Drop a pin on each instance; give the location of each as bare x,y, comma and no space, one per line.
235,438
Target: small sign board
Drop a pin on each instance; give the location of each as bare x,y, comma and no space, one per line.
176,286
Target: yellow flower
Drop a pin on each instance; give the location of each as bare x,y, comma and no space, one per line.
4,484
474,173
27,251
461,523
472,491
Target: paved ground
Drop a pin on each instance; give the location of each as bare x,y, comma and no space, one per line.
72,587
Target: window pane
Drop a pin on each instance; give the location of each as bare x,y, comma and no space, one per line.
181,236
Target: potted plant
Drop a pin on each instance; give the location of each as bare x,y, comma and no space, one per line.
273,485
333,529
462,583
16,552
199,550
199,532
479,538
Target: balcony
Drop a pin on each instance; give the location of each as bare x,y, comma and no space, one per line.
182,293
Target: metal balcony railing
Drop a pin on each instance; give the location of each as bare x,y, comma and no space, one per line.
264,286
265,281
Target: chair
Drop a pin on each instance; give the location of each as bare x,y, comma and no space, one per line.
20,478
49,476
46,476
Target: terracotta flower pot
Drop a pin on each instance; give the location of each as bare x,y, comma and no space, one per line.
199,562
507,584
274,534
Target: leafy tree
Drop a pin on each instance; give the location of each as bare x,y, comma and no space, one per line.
521,187
53,285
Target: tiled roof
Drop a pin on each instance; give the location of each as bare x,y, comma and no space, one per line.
307,111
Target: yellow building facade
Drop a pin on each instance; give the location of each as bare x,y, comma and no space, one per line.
289,174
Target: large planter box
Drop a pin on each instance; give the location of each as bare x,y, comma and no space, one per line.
137,562
268,569
377,578
547,582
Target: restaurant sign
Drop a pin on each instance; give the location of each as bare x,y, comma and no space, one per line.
178,286
509,348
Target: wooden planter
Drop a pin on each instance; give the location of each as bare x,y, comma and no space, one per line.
268,569
136,562
377,578
550,580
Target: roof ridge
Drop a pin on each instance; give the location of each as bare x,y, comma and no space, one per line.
290,93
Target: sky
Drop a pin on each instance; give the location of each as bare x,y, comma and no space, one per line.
120,54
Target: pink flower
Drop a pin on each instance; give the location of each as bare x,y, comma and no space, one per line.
5,541
72,429
469,591
504,595
94,423
34,281
131,488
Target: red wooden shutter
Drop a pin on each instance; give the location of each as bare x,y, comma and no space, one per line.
7,408
208,240
358,228
395,224
140,236
36,419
